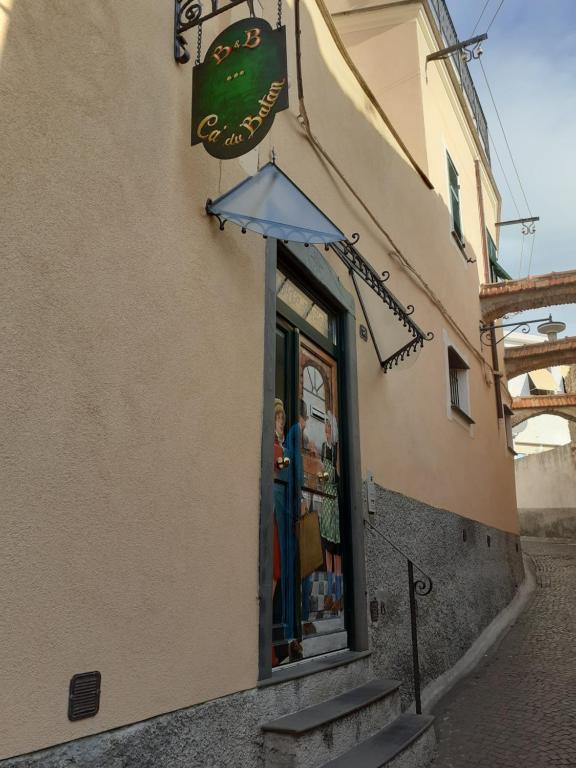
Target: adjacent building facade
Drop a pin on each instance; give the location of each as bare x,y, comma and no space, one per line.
545,431
222,451
546,474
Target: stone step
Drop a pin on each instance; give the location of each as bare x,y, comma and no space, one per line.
313,736
408,742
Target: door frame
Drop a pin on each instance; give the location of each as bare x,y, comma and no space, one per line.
310,265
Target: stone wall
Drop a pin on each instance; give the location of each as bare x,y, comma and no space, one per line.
546,493
475,571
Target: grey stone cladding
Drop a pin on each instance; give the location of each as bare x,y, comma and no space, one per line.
472,583
475,572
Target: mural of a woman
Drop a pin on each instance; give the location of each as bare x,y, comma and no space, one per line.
279,422
330,516
287,501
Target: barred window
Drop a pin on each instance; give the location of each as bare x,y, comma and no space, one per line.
458,380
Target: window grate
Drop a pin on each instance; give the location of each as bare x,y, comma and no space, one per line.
454,388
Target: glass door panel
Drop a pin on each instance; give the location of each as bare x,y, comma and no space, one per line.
322,612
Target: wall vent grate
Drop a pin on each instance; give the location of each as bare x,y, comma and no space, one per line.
84,695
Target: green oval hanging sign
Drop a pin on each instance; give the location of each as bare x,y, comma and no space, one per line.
238,89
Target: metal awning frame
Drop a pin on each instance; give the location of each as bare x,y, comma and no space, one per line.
331,237
358,266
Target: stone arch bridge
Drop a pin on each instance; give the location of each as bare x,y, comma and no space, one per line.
498,299
537,405
531,357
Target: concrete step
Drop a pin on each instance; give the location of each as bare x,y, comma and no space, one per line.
408,742
313,736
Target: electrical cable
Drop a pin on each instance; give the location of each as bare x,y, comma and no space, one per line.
505,137
496,14
395,252
504,174
531,252
486,4
521,255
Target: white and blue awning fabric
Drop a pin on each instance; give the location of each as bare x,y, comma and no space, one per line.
270,204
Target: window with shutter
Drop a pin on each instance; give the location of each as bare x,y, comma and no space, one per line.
496,271
455,199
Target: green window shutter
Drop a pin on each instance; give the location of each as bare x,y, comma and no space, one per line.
500,272
454,197
496,271
492,252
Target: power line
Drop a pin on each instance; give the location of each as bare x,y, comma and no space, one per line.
505,176
496,14
531,252
522,238
486,4
505,137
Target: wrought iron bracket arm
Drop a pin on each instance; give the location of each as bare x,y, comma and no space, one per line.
524,326
188,14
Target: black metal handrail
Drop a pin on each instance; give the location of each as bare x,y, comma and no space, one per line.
450,37
420,587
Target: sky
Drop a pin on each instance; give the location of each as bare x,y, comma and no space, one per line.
530,63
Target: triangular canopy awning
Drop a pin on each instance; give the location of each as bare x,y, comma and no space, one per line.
272,205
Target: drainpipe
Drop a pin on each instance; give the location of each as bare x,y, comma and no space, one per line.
486,261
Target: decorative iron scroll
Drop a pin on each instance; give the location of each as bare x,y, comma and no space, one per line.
524,326
188,14
357,265
423,586
449,35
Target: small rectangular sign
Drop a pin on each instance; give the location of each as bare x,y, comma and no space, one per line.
371,490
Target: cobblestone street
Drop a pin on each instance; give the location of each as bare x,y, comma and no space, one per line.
518,708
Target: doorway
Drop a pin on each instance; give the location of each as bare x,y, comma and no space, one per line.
309,511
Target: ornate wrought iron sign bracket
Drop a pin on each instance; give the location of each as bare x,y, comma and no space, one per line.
188,14
524,326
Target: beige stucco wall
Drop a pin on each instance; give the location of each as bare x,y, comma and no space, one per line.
386,54
132,337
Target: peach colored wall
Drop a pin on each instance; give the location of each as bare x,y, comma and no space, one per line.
375,44
388,58
132,362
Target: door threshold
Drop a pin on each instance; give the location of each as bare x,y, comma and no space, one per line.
312,666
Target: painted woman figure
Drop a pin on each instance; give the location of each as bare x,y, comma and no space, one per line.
279,421
330,516
287,496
